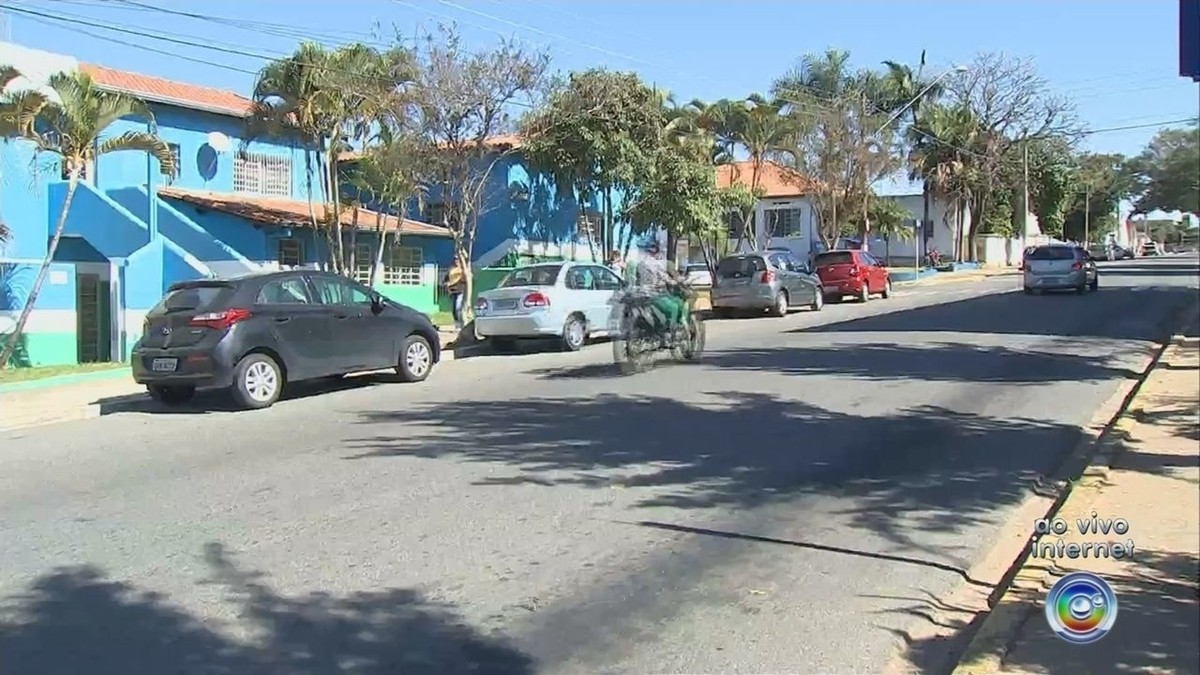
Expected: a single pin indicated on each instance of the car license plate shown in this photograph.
(164, 365)
(1049, 280)
(507, 303)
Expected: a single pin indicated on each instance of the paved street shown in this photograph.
(794, 494)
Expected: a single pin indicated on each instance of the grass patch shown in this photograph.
(27, 373)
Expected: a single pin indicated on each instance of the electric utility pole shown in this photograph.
(1087, 212)
(1025, 199)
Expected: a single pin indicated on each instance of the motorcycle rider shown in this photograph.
(653, 276)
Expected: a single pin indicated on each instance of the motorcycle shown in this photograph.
(642, 331)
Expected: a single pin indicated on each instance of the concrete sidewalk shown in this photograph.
(1150, 478)
(960, 276)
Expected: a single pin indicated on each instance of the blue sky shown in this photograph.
(1117, 59)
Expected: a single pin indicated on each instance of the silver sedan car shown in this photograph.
(1059, 267)
(774, 281)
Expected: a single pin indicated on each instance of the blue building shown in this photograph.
(233, 206)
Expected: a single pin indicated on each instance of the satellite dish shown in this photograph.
(219, 142)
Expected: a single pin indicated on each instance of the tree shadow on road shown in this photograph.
(1094, 315)
(921, 470)
(929, 362)
(1156, 629)
(75, 620)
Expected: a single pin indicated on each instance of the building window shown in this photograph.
(364, 259)
(260, 174)
(785, 223)
(402, 266)
(733, 223)
(435, 214)
(291, 253)
(177, 155)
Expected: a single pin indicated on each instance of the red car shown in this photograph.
(852, 272)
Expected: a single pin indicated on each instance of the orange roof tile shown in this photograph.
(159, 90)
(774, 180)
(275, 211)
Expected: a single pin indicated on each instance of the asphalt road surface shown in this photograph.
(775, 508)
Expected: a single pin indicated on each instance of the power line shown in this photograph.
(49, 19)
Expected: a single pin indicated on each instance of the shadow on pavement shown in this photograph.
(74, 620)
(1093, 315)
(1155, 632)
(211, 401)
(922, 470)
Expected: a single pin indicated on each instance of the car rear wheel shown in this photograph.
(1095, 285)
(1081, 288)
(865, 294)
(818, 300)
(574, 334)
(780, 307)
(416, 359)
(887, 289)
(171, 394)
(1028, 291)
(257, 381)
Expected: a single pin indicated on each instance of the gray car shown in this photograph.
(774, 281)
(1059, 267)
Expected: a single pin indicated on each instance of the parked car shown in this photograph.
(256, 334)
(571, 301)
(853, 272)
(697, 274)
(1059, 267)
(1150, 248)
(775, 281)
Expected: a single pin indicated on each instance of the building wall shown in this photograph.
(50, 334)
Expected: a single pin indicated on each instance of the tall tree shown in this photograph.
(598, 133)
(841, 141)
(460, 102)
(1167, 169)
(1100, 182)
(942, 157)
(9, 126)
(331, 98)
(1012, 105)
(1052, 176)
(71, 124)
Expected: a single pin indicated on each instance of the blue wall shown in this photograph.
(23, 198)
(201, 168)
(107, 225)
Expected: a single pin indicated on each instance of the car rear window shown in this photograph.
(835, 258)
(741, 266)
(192, 298)
(1052, 253)
(539, 275)
(697, 267)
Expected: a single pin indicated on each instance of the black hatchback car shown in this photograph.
(254, 334)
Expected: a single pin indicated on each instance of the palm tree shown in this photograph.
(8, 125)
(71, 124)
(903, 86)
(941, 157)
(329, 98)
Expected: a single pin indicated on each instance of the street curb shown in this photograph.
(61, 380)
(954, 278)
(1016, 597)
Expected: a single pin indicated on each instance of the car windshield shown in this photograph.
(740, 266)
(1052, 253)
(538, 275)
(191, 298)
(835, 258)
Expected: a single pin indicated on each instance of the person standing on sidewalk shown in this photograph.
(455, 283)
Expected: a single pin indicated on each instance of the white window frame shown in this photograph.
(795, 219)
(363, 263)
(262, 174)
(281, 254)
(402, 265)
(176, 151)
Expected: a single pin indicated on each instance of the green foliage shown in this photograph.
(1167, 172)
(1051, 182)
(1100, 183)
(888, 219)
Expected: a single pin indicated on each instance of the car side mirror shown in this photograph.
(377, 303)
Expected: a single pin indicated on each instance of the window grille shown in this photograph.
(261, 174)
(403, 266)
(291, 253)
(364, 258)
